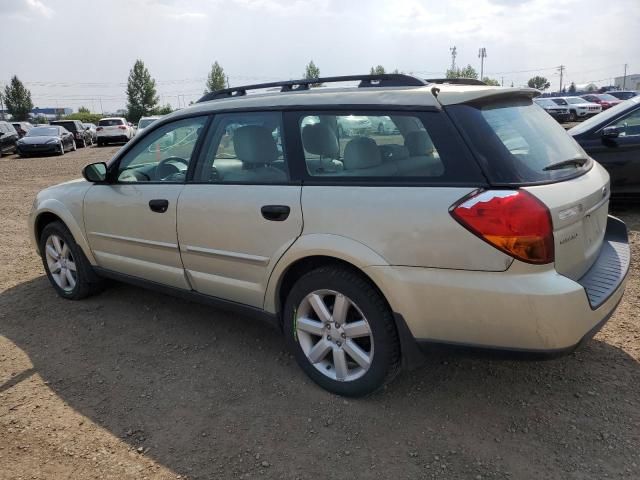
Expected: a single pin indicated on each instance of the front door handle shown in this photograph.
(159, 205)
(275, 213)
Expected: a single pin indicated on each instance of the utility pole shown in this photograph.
(482, 54)
(101, 109)
(454, 53)
(561, 70)
(228, 81)
(1, 107)
(624, 78)
(502, 81)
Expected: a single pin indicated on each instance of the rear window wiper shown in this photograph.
(577, 162)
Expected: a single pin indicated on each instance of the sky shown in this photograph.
(71, 53)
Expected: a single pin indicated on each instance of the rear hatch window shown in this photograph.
(71, 126)
(110, 123)
(518, 143)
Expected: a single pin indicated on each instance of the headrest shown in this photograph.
(419, 143)
(393, 153)
(254, 144)
(319, 139)
(361, 152)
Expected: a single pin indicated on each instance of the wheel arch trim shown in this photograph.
(58, 209)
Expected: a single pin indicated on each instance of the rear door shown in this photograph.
(242, 211)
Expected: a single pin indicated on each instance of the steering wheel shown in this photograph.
(164, 169)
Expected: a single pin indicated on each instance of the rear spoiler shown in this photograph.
(468, 94)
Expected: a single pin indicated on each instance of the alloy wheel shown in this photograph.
(61, 263)
(334, 335)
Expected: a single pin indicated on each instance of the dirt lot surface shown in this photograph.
(131, 384)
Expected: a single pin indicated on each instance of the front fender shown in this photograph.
(73, 222)
(327, 245)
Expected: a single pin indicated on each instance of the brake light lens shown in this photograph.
(98, 129)
(122, 127)
(513, 221)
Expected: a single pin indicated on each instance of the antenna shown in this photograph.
(454, 53)
(482, 54)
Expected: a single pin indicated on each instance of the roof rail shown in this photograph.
(456, 81)
(384, 80)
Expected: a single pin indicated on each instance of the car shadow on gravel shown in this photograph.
(208, 393)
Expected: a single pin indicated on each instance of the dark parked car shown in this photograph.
(47, 139)
(559, 112)
(81, 134)
(8, 138)
(22, 128)
(603, 99)
(613, 139)
(623, 94)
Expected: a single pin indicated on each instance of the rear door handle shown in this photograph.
(159, 205)
(275, 213)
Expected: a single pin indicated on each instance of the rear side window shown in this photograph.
(518, 143)
(113, 122)
(382, 147)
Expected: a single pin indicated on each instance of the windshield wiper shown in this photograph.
(576, 162)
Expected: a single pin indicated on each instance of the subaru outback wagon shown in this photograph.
(474, 221)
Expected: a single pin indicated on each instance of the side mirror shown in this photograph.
(95, 172)
(612, 132)
(1, 134)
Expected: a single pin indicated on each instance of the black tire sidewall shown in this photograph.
(374, 308)
(83, 267)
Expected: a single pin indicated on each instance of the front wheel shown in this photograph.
(61, 152)
(573, 116)
(65, 264)
(341, 331)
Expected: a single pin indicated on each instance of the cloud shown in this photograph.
(27, 10)
(187, 16)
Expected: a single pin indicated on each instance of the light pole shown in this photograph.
(482, 54)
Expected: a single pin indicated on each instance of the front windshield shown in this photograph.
(603, 118)
(575, 100)
(43, 132)
(544, 102)
(559, 101)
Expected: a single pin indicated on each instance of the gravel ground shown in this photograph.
(131, 384)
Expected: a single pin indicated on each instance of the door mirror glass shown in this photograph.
(95, 172)
(611, 132)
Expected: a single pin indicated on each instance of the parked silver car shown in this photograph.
(478, 223)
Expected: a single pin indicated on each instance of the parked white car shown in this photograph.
(114, 129)
(578, 107)
(144, 122)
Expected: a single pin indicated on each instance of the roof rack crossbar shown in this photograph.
(384, 80)
(456, 81)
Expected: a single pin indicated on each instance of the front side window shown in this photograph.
(629, 125)
(245, 148)
(164, 155)
(376, 145)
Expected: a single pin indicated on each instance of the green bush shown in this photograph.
(84, 117)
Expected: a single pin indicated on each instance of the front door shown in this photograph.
(621, 155)
(131, 223)
(241, 213)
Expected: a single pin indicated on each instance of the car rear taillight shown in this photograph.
(513, 221)
(122, 127)
(98, 129)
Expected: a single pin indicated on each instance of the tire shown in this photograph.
(573, 117)
(74, 146)
(367, 310)
(61, 149)
(86, 282)
(83, 143)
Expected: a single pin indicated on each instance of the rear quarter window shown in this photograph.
(516, 142)
(110, 122)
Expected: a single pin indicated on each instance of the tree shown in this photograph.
(311, 72)
(17, 100)
(84, 116)
(379, 70)
(83, 109)
(491, 81)
(216, 80)
(466, 72)
(541, 83)
(164, 110)
(141, 92)
(572, 88)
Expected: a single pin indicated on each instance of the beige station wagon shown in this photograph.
(470, 219)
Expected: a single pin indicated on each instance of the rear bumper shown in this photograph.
(113, 138)
(528, 309)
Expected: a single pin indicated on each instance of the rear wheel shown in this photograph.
(65, 264)
(341, 331)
